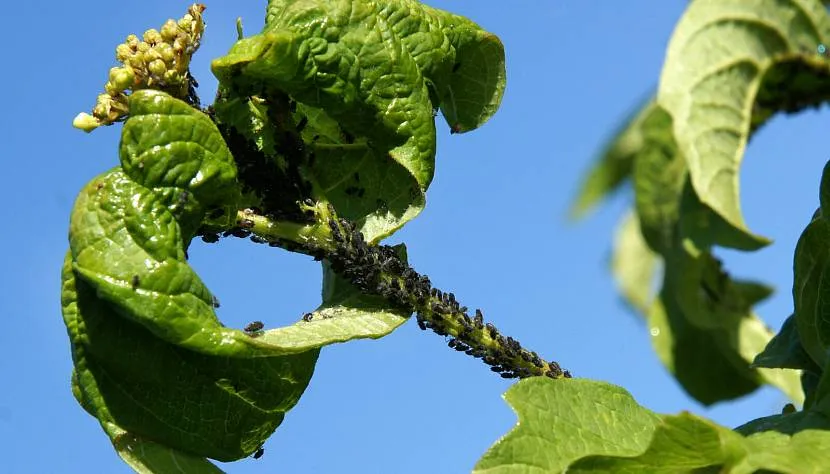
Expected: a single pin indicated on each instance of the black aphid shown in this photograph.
(479, 319)
(259, 452)
(307, 317)
(508, 375)
(135, 282)
(241, 233)
(210, 238)
(254, 326)
(308, 202)
(215, 301)
(301, 124)
(258, 240)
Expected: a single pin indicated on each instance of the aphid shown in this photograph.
(99, 186)
(566, 374)
(491, 330)
(452, 343)
(308, 202)
(301, 124)
(216, 213)
(215, 301)
(241, 233)
(210, 238)
(135, 282)
(258, 240)
(421, 323)
(508, 375)
(497, 368)
(479, 319)
(254, 327)
(307, 317)
(259, 452)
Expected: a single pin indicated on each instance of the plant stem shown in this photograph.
(377, 270)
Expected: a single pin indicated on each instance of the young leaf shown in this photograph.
(718, 96)
(379, 74)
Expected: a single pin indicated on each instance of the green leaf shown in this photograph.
(789, 424)
(582, 426)
(705, 362)
(667, 205)
(708, 342)
(688, 443)
(379, 74)
(344, 315)
(239, 401)
(614, 165)
(785, 351)
(810, 287)
(634, 265)
(147, 457)
(563, 420)
(718, 96)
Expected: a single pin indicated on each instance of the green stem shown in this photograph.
(377, 270)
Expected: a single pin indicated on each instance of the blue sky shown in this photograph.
(494, 232)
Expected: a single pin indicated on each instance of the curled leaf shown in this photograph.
(718, 96)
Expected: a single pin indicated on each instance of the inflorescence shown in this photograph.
(161, 61)
(378, 270)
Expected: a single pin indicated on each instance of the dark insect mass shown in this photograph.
(254, 326)
(259, 452)
(135, 282)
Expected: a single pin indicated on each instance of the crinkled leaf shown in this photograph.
(634, 265)
(614, 165)
(563, 420)
(211, 406)
(785, 351)
(379, 72)
(719, 95)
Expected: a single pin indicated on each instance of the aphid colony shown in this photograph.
(378, 270)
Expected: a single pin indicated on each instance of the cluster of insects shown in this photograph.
(378, 270)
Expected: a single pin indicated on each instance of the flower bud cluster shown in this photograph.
(159, 60)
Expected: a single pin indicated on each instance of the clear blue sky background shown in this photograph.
(494, 232)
